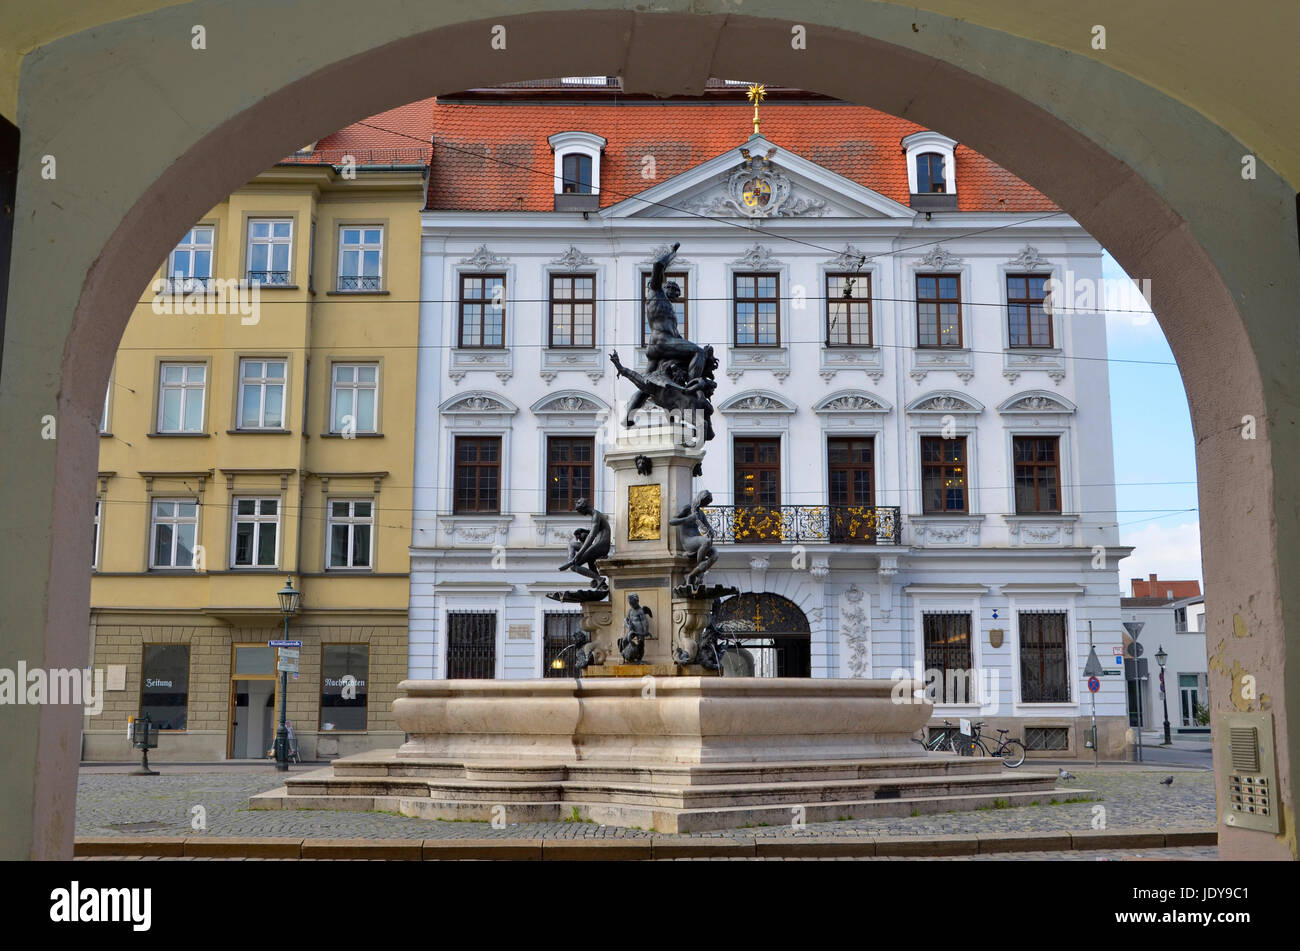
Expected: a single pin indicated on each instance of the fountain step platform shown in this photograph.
(662, 797)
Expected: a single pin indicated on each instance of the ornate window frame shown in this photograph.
(1062, 598)
(758, 258)
(568, 413)
(1049, 360)
(855, 357)
(588, 360)
(1040, 413)
(474, 413)
(960, 360)
(463, 360)
(848, 413)
(925, 416)
(940, 598)
(758, 414)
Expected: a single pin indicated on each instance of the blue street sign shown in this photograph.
(1094, 684)
(284, 643)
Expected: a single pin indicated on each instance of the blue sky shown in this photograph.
(1152, 431)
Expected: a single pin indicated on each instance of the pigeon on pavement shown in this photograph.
(1167, 781)
(1064, 776)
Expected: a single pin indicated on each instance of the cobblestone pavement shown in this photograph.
(112, 803)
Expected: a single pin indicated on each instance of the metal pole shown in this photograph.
(1141, 698)
(282, 733)
(1093, 696)
(1164, 701)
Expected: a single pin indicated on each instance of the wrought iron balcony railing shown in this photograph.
(835, 524)
(358, 282)
(269, 277)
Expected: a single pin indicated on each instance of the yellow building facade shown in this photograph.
(258, 426)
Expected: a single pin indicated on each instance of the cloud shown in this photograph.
(1171, 551)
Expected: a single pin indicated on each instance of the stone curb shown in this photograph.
(618, 850)
(166, 846)
(392, 849)
(514, 850)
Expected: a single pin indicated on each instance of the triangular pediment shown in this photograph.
(758, 180)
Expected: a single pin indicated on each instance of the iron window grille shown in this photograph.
(471, 645)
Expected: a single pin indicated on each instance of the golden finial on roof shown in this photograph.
(757, 93)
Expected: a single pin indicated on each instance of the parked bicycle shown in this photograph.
(945, 739)
(1011, 752)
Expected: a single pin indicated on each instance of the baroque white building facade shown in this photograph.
(877, 526)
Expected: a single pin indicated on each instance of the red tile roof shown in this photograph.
(1159, 588)
(494, 156)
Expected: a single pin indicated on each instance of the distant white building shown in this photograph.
(1173, 621)
(913, 473)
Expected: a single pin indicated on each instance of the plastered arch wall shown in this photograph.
(148, 134)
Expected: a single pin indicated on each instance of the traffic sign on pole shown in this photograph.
(1094, 684)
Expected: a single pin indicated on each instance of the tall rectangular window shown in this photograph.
(361, 258)
(1028, 322)
(568, 471)
(757, 302)
(756, 464)
(560, 629)
(478, 474)
(938, 310)
(482, 310)
(929, 173)
(948, 652)
(1038, 474)
(851, 469)
(848, 319)
(255, 533)
(173, 532)
(1044, 657)
(1191, 698)
(94, 552)
(261, 394)
(471, 645)
(573, 310)
(351, 528)
(165, 685)
(943, 475)
(680, 306)
(181, 389)
(270, 241)
(576, 172)
(851, 478)
(354, 398)
(191, 259)
(344, 670)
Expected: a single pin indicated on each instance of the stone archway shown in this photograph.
(1129, 163)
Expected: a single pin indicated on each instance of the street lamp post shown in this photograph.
(289, 601)
(1161, 657)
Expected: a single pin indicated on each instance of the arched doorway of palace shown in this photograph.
(770, 632)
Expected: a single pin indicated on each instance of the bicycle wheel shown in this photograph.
(1013, 753)
(977, 748)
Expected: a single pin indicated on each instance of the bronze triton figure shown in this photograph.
(589, 548)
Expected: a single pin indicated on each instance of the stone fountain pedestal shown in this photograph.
(653, 470)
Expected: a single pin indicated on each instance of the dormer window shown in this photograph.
(577, 174)
(931, 171)
(577, 170)
(929, 174)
